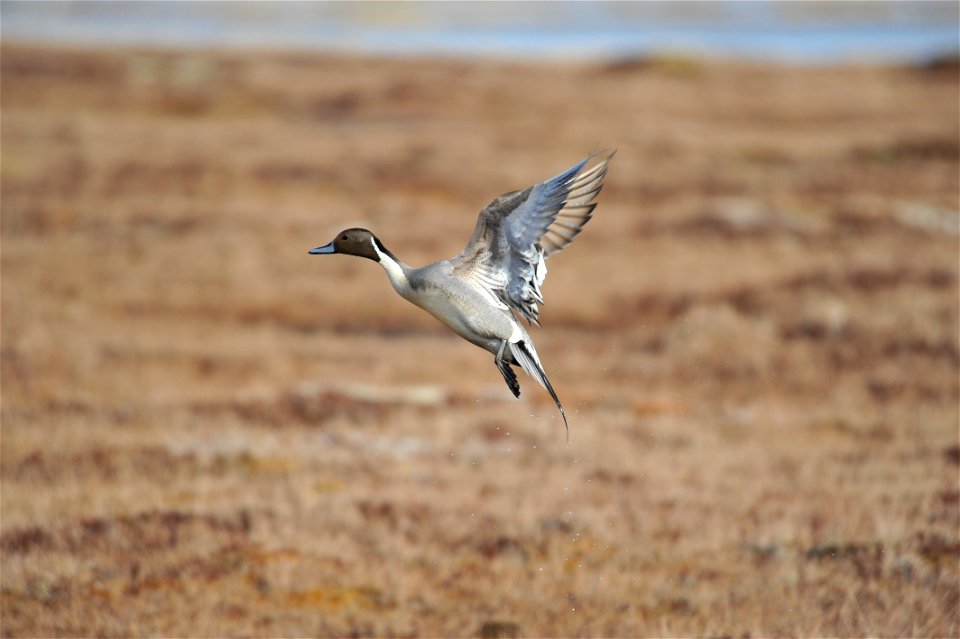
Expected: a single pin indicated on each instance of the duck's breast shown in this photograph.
(475, 315)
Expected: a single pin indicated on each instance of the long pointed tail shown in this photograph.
(526, 355)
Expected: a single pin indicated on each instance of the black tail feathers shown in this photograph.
(529, 361)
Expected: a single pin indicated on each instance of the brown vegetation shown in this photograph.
(205, 431)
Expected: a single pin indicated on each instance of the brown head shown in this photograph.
(359, 242)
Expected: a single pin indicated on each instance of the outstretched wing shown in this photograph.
(517, 231)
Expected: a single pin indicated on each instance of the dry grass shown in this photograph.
(756, 339)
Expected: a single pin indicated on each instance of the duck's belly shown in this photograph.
(471, 317)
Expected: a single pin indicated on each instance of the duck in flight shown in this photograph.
(498, 275)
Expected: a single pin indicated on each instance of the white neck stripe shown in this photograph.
(393, 268)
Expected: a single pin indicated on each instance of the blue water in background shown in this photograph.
(799, 32)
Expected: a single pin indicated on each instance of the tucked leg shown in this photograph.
(509, 376)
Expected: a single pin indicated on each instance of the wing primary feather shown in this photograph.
(517, 231)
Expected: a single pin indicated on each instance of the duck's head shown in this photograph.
(360, 242)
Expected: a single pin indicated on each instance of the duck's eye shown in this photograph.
(343, 237)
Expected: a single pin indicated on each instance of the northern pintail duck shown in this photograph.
(498, 275)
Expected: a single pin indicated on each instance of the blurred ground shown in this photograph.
(205, 431)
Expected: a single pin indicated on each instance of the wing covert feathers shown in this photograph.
(517, 231)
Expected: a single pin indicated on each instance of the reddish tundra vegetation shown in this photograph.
(205, 431)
